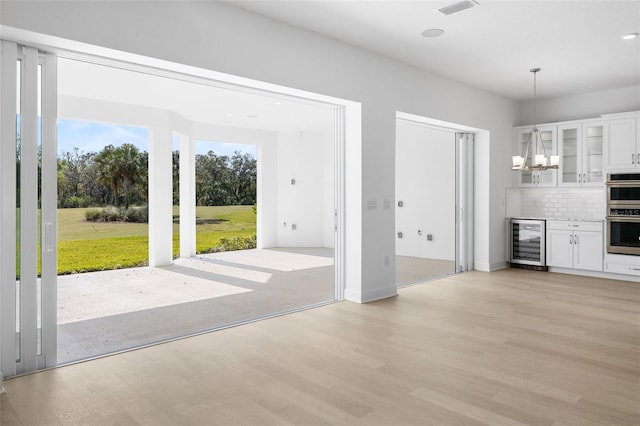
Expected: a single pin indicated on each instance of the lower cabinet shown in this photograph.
(576, 245)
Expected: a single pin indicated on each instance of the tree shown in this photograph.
(119, 168)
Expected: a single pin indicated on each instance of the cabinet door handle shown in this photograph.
(579, 178)
(575, 239)
(633, 159)
(570, 239)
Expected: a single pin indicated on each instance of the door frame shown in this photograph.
(464, 185)
(348, 139)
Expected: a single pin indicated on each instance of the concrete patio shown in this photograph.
(111, 311)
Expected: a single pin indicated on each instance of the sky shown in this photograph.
(89, 136)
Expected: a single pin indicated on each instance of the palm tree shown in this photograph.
(119, 168)
(108, 173)
(128, 168)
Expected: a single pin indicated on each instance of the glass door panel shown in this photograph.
(592, 158)
(569, 155)
(425, 202)
(28, 185)
(527, 242)
(526, 178)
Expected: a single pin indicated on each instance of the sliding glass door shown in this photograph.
(28, 209)
(434, 178)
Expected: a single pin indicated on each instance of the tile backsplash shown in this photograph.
(556, 203)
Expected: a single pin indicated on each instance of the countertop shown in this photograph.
(558, 219)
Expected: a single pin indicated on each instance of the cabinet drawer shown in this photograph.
(622, 268)
(574, 226)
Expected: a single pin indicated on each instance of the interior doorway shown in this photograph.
(433, 201)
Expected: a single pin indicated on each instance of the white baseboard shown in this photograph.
(489, 267)
(595, 274)
(370, 296)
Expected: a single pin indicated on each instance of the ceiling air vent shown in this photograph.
(457, 7)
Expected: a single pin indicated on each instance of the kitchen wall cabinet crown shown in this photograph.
(622, 144)
(543, 178)
(580, 147)
(575, 245)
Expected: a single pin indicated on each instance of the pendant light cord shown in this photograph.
(535, 99)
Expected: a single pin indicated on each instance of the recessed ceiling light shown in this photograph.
(278, 103)
(458, 7)
(630, 36)
(432, 33)
(229, 115)
(304, 125)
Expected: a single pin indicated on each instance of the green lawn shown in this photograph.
(88, 246)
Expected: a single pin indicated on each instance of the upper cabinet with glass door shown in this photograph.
(542, 178)
(580, 146)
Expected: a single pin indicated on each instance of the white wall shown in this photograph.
(221, 37)
(425, 183)
(301, 157)
(584, 105)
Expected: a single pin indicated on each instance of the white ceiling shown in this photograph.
(197, 103)
(491, 46)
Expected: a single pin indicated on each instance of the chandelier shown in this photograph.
(538, 153)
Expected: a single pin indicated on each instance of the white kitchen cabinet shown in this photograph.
(543, 178)
(622, 145)
(580, 147)
(575, 245)
(622, 264)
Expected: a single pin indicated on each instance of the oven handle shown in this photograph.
(622, 183)
(623, 219)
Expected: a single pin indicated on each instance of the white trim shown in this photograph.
(8, 76)
(594, 274)
(339, 202)
(49, 212)
(124, 60)
(628, 114)
(370, 296)
(490, 267)
(435, 123)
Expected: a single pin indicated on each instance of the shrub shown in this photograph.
(94, 215)
(108, 214)
(74, 202)
(137, 214)
(235, 243)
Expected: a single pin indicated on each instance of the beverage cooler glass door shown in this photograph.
(528, 242)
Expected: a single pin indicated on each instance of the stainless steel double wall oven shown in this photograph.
(623, 213)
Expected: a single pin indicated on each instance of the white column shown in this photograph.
(160, 196)
(187, 196)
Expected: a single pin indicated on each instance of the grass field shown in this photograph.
(88, 246)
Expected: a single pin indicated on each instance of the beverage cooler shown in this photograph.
(527, 237)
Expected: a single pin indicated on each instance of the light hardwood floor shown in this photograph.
(505, 348)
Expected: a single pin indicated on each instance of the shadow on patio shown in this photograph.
(105, 312)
